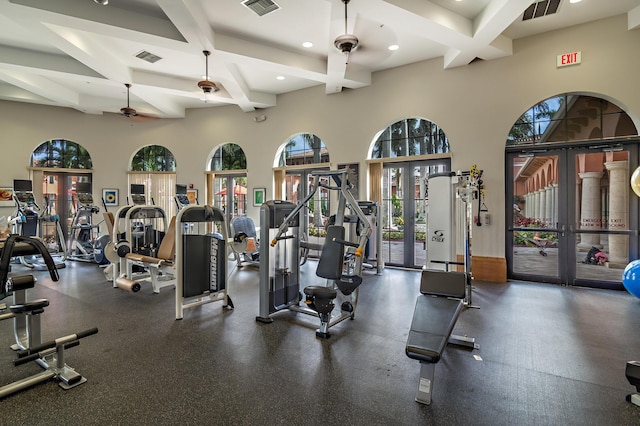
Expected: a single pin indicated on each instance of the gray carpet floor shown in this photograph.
(549, 355)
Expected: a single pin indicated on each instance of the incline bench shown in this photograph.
(434, 318)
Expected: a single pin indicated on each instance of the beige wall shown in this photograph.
(475, 106)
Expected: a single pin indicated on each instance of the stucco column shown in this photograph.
(618, 211)
(554, 210)
(536, 205)
(543, 205)
(590, 217)
(548, 206)
(527, 205)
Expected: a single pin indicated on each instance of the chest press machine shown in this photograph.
(340, 262)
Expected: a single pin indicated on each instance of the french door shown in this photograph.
(572, 218)
(230, 194)
(404, 210)
(298, 184)
(58, 190)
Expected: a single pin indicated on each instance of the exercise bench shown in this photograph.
(434, 318)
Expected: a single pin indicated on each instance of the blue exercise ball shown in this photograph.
(631, 278)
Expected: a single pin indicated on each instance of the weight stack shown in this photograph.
(204, 265)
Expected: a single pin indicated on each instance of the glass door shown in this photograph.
(404, 210)
(58, 190)
(298, 184)
(572, 214)
(230, 195)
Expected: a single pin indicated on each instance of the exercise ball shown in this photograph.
(635, 181)
(631, 278)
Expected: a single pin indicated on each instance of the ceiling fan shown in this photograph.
(346, 42)
(132, 113)
(128, 111)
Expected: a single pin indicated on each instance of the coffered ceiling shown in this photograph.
(79, 54)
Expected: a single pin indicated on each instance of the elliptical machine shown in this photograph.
(84, 243)
(30, 221)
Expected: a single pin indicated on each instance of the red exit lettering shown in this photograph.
(569, 59)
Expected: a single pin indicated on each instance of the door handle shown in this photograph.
(562, 230)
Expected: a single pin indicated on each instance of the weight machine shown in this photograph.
(137, 229)
(202, 249)
(340, 262)
(449, 221)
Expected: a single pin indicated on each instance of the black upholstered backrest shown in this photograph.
(441, 283)
(332, 255)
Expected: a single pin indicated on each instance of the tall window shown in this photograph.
(154, 166)
(58, 165)
(297, 158)
(227, 182)
(403, 155)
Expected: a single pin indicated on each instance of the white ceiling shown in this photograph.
(79, 54)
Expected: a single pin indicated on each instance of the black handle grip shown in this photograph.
(35, 356)
(53, 343)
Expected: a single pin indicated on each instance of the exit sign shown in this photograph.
(567, 59)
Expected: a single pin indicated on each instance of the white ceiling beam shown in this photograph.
(466, 39)
(87, 16)
(633, 18)
(42, 87)
(190, 20)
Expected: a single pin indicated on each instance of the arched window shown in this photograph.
(57, 166)
(303, 148)
(297, 157)
(154, 166)
(229, 156)
(153, 158)
(60, 153)
(570, 117)
(409, 137)
(568, 163)
(402, 157)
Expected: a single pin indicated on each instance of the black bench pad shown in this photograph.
(433, 322)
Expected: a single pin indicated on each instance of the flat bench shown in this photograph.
(435, 315)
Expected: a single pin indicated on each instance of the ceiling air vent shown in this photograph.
(261, 7)
(540, 9)
(148, 56)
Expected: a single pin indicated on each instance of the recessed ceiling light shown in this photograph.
(280, 77)
(575, 1)
(393, 47)
(102, 2)
(307, 44)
